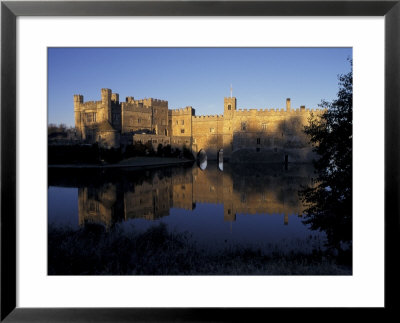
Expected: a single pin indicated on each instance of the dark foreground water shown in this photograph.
(231, 219)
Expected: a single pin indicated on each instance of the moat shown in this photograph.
(214, 207)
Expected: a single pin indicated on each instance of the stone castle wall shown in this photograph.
(264, 135)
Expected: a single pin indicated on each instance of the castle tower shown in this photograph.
(229, 107)
(227, 135)
(288, 104)
(115, 98)
(78, 100)
(106, 103)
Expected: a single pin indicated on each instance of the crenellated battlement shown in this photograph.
(115, 97)
(181, 111)
(150, 101)
(78, 98)
(269, 111)
(135, 104)
(159, 101)
(88, 105)
(129, 99)
(208, 117)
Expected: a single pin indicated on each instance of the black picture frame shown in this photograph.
(10, 10)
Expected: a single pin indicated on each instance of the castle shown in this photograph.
(271, 135)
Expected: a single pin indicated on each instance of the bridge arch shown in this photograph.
(220, 155)
(202, 159)
(202, 155)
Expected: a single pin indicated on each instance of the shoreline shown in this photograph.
(179, 162)
(135, 162)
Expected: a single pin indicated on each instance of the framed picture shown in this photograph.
(102, 169)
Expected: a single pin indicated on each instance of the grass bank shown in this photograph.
(94, 251)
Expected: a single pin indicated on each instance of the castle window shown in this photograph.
(258, 141)
(264, 126)
(176, 122)
(183, 122)
(138, 120)
(212, 130)
(92, 207)
(244, 126)
(90, 117)
(229, 107)
(182, 130)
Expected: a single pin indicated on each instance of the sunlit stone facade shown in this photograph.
(267, 135)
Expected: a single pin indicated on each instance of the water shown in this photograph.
(216, 205)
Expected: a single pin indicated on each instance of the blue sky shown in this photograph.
(198, 77)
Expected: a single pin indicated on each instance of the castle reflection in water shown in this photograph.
(242, 190)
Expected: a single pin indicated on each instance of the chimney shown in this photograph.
(288, 104)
